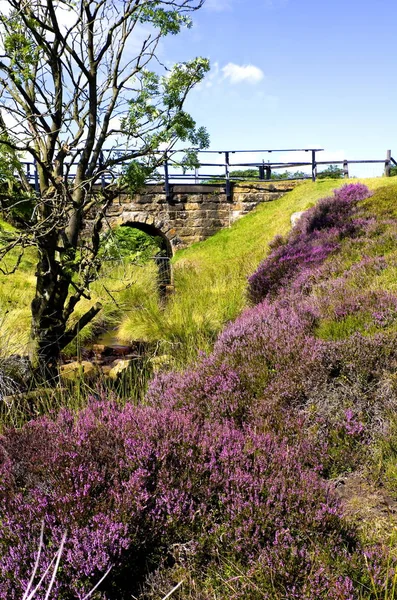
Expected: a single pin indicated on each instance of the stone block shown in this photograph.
(116, 222)
(180, 198)
(218, 214)
(209, 231)
(115, 211)
(160, 199)
(212, 205)
(214, 223)
(197, 199)
(197, 215)
(177, 206)
(184, 232)
(146, 199)
(188, 241)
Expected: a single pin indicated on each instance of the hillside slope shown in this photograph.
(210, 283)
(211, 277)
(228, 477)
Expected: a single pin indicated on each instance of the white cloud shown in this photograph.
(242, 73)
(5, 8)
(213, 76)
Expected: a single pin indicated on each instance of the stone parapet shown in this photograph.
(192, 213)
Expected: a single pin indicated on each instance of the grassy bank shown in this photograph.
(267, 468)
(211, 277)
(210, 284)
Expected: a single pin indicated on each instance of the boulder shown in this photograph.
(75, 369)
(295, 217)
(120, 368)
(16, 369)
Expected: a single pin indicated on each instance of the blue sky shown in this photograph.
(296, 74)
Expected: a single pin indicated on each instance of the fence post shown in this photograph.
(345, 169)
(227, 177)
(261, 172)
(268, 173)
(388, 163)
(314, 166)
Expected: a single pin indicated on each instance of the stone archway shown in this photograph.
(162, 259)
(153, 231)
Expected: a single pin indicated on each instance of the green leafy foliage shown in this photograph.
(332, 172)
(131, 244)
(253, 174)
(16, 204)
(393, 171)
(156, 116)
(168, 21)
(21, 48)
(137, 173)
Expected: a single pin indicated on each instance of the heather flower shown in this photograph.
(316, 236)
(127, 483)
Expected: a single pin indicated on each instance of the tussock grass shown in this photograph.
(211, 276)
(210, 280)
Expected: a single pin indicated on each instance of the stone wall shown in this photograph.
(194, 212)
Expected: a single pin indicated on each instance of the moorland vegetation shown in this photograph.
(265, 466)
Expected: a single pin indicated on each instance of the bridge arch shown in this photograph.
(153, 231)
(163, 259)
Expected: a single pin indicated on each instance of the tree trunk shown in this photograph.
(53, 304)
(48, 323)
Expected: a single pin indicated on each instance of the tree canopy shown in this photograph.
(331, 172)
(85, 97)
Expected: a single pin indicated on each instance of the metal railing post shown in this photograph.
(314, 166)
(268, 173)
(227, 177)
(261, 172)
(167, 187)
(388, 163)
(345, 169)
(101, 163)
(36, 177)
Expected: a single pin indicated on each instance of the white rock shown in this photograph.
(295, 217)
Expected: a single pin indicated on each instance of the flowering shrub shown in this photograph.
(127, 483)
(226, 461)
(317, 234)
(267, 357)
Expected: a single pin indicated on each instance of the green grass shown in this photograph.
(366, 264)
(211, 276)
(210, 281)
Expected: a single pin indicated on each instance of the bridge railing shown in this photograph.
(225, 171)
(261, 170)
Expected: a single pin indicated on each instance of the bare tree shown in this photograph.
(78, 100)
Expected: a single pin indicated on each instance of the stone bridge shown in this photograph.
(191, 213)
